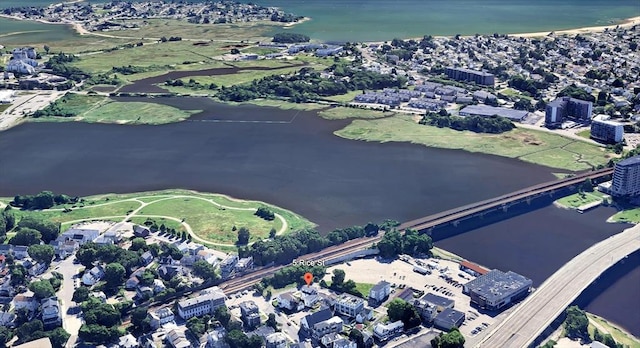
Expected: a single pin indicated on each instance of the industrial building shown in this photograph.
(626, 178)
(559, 109)
(497, 289)
(479, 77)
(448, 319)
(439, 302)
(488, 111)
(607, 131)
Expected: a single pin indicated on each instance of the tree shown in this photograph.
(197, 325)
(205, 270)
(400, 309)
(46, 49)
(222, 315)
(356, 336)
(49, 231)
(58, 337)
(271, 321)
(42, 289)
(80, 294)
(114, 274)
(30, 330)
(243, 236)
(137, 244)
(290, 37)
(97, 334)
(452, 339)
(576, 323)
(5, 336)
(26, 237)
(338, 278)
(140, 320)
(41, 253)
(272, 233)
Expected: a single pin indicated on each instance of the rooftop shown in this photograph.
(631, 161)
(497, 284)
(437, 300)
(486, 110)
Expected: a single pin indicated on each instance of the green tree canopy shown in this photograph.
(400, 309)
(47, 229)
(243, 236)
(576, 323)
(452, 339)
(41, 253)
(42, 289)
(114, 274)
(80, 294)
(26, 237)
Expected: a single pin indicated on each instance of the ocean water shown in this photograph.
(372, 20)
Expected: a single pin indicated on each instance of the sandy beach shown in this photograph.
(305, 19)
(627, 23)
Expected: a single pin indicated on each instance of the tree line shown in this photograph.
(307, 84)
(477, 124)
(42, 200)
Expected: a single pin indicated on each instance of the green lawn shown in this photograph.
(260, 50)
(619, 335)
(344, 98)
(528, 145)
(339, 113)
(585, 134)
(83, 211)
(364, 288)
(99, 109)
(627, 215)
(577, 200)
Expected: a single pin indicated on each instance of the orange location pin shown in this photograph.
(308, 277)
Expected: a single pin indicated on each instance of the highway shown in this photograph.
(531, 317)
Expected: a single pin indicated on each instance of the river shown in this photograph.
(291, 159)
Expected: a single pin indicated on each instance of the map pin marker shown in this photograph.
(308, 277)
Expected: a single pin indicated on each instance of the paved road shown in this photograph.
(535, 314)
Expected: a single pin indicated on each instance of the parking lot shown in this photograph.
(445, 280)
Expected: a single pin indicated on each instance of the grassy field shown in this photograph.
(364, 288)
(620, 336)
(577, 200)
(98, 109)
(627, 215)
(515, 93)
(339, 113)
(198, 210)
(281, 104)
(585, 134)
(528, 145)
(89, 210)
(344, 98)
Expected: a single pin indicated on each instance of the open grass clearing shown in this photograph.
(344, 98)
(528, 145)
(4, 107)
(243, 76)
(281, 104)
(136, 113)
(577, 200)
(585, 134)
(81, 211)
(620, 336)
(340, 112)
(631, 215)
(150, 55)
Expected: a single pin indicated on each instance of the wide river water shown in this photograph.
(292, 159)
(378, 20)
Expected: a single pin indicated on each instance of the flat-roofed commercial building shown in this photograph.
(488, 111)
(497, 289)
(626, 178)
(462, 74)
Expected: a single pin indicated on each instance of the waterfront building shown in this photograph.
(462, 74)
(206, 303)
(626, 178)
(559, 109)
(497, 289)
(607, 131)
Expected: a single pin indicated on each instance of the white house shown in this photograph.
(161, 317)
(93, 276)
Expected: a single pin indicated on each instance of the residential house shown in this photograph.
(288, 302)
(7, 319)
(384, 332)
(276, 340)
(244, 264)
(51, 315)
(348, 305)
(141, 231)
(307, 323)
(158, 286)
(329, 339)
(131, 283)
(26, 300)
(93, 276)
(39, 343)
(161, 317)
(379, 292)
(333, 324)
(441, 303)
(344, 343)
(167, 272)
(20, 251)
(109, 237)
(250, 314)
(216, 338)
(228, 265)
(127, 341)
(205, 303)
(177, 339)
(146, 258)
(99, 295)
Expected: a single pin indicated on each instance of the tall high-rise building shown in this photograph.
(626, 178)
(563, 107)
